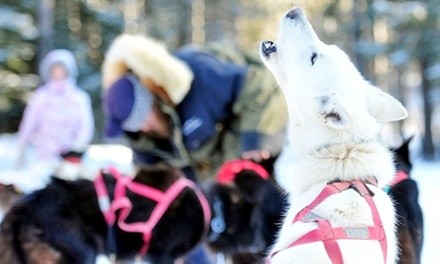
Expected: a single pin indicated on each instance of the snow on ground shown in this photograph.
(427, 174)
(36, 175)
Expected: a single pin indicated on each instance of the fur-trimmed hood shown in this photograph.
(147, 58)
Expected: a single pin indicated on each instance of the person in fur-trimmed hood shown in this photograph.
(194, 108)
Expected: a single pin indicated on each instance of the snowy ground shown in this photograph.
(34, 175)
(427, 174)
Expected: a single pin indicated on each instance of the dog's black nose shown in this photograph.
(268, 47)
(294, 13)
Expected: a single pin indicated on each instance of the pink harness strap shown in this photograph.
(122, 203)
(400, 176)
(328, 234)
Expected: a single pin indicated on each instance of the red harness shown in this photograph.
(229, 170)
(72, 159)
(328, 234)
(122, 203)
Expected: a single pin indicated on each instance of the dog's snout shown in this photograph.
(294, 13)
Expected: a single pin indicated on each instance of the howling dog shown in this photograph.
(333, 166)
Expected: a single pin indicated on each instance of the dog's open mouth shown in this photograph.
(268, 47)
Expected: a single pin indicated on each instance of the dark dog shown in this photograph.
(405, 194)
(247, 207)
(63, 223)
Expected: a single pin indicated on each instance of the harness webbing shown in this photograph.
(398, 177)
(328, 234)
(121, 202)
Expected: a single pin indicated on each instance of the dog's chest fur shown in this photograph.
(343, 161)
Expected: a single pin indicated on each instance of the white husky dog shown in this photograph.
(333, 166)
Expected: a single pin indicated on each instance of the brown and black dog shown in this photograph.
(405, 194)
(64, 222)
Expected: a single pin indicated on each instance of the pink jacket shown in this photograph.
(58, 118)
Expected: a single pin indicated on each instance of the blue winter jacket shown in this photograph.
(209, 102)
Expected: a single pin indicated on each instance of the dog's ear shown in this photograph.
(330, 110)
(383, 106)
(403, 152)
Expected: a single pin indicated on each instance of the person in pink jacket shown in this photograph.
(58, 118)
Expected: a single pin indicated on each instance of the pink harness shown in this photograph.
(122, 203)
(328, 234)
(400, 176)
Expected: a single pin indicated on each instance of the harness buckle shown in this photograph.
(357, 232)
(311, 217)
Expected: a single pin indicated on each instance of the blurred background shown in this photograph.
(395, 45)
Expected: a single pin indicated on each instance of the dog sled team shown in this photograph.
(273, 159)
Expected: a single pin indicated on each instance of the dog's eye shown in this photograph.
(313, 58)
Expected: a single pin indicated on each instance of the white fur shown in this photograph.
(147, 58)
(334, 116)
(96, 158)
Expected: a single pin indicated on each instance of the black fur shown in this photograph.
(62, 223)
(252, 209)
(409, 213)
